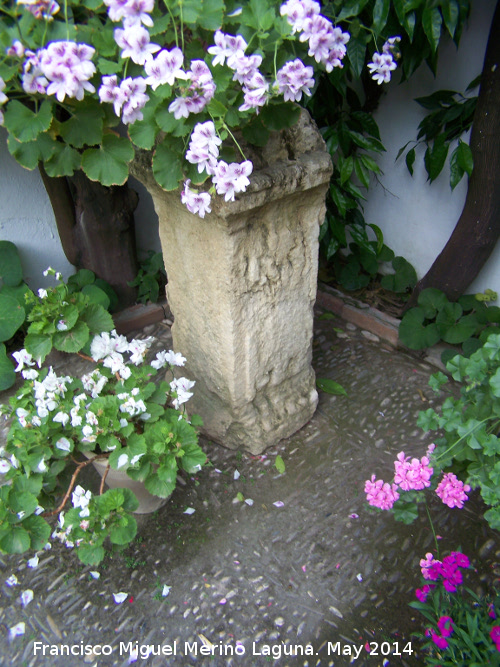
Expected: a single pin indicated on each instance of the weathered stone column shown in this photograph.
(242, 285)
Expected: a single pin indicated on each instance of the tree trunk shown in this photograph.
(478, 227)
(96, 228)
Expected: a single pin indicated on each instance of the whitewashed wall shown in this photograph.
(417, 218)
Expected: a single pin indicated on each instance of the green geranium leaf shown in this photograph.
(11, 271)
(125, 531)
(7, 373)
(278, 116)
(414, 333)
(38, 345)
(108, 164)
(97, 296)
(405, 512)
(84, 128)
(158, 487)
(24, 124)
(167, 167)
(16, 541)
(193, 459)
(12, 316)
(64, 162)
(39, 531)
(97, 319)
(72, 340)
(90, 554)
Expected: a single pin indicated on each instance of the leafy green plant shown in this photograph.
(66, 316)
(451, 115)
(470, 424)
(115, 414)
(150, 279)
(467, 322)
(13, 306)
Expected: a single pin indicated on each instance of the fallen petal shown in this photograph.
(359, 577)
(190, 510)
(279, 503)
(236, 475)
(17, 630)
(33, 562)
(353, 516)
(303, 568)
(120, 597)
(249, 501)
(94, 574)
(223, 601)
(166, 590)
(26, 597)
(12, 580)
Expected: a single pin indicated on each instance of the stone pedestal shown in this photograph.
(241, 287)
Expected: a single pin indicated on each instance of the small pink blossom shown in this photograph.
(495, 636)
(439, 641)
(429, 566)
(452, 491)
(422, 593)
(412, 474)
(195, 202)
(380, 494)
(445, 626)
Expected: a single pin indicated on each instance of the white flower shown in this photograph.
(23, 357)
(4, 466)
(166, 590)
(62, 326)
(163, 358)
(20, 515)
(16, 630)
(12, 580)
(39, 509)
(80, 497)
(42, 293)
(181, 387)
(94, 574)
(42, 467)
(123, 422)
(120, 597)
(26, 597)
(29, 374)
(135, 459)
(61, 417)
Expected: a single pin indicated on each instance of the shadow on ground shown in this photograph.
(300, 563)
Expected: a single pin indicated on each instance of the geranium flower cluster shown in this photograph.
(41, 9)
(448, 570)
(414, 475)
(61, 69)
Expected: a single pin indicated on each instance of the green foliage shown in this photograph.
(467, 322)
(115, 414)
(470, 424)
(344, 112)
(330, 387)
(13, 307)
(66, 316)
(150, 279)
(450, 116)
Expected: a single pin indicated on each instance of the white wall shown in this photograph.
(416, 217)
(27, 219)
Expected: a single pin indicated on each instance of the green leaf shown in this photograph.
(72, 340)
(206, 13)
(90, 554)
(16, 541)
(24, 124)
(96, 296)
(346, 169)
(380, 14)
(432, 300)
(330, 387)
(125, 531)
(39, 531)
(410, 160)
(278, 116)
(279, 464)
(193, 459)
(7, 373)
(11, 271)
(414, 334)
(405, 512)
(356, 50)
(456, 171)
(431, 23)
(12, 316)
(255, 133)
(108, 164)
(143, 132)
(84, 128)
(464, 157)
(435, 157)
(452, 326)
(167, 167)
(28, 154)
(97, 319)
(64, 162)
(158, 487)
(451, 13)
(38, 345)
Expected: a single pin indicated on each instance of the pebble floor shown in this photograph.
(301, 566)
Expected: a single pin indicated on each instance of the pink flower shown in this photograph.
(430, 567)
(380, 494)
(439, 641)
(495, 636)
(492, 612)
(452, 491)
(195, 202)
(293, 79)
(165, 68)
(134, 41)
(381, 67)
(422, 593)
(445, 626)
(230, 179)
(412, 474)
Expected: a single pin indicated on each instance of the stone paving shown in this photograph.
(283, 569)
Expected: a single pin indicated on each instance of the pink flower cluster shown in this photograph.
(452, 491)
(41, 9)
(293, 79)
(131, 12)
(61, 69)
(327, 44)
(445, 627)
(409, 475)
(128, 98)
(383, 63)
(448, 570)
(198, 94)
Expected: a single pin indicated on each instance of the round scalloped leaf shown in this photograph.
(167, 167)
(125, 531)
(12, 316)
(39, 531)
(72, 340)
(108, 164)
(16, 541)
(432, 300)
(90, 554)
(11, 271)
(452, 327)
(414, 333)
(24, 124)
(7, 373)
(96, 295)
(38, 345)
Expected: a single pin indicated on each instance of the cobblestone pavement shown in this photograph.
(304, 565)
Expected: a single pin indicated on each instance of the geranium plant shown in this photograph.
(180, 77)
(117, 414)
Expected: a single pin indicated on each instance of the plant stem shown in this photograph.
(432, 528)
